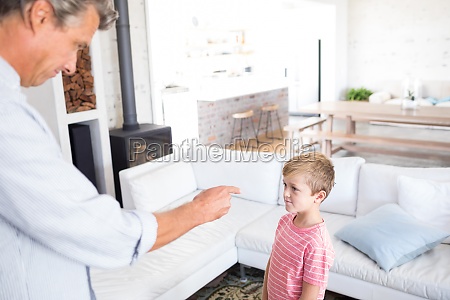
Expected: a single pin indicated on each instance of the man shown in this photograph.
(54, 225)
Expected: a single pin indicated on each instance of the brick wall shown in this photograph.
(215, 123)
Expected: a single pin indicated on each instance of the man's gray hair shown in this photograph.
(66, 10)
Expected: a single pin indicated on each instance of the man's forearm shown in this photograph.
(174, 223)
(207, 206)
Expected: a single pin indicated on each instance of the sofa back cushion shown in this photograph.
(426, 200)
(378, 183)
(256, 174)
(158, 188)
(129, 175)
(344, 195)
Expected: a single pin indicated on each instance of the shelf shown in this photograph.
(211, 52)
(83, 116)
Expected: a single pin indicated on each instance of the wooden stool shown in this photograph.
(242, 116)
(270, 109)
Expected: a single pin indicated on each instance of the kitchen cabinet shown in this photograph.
(217, 53)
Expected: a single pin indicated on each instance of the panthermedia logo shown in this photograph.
(190, 150)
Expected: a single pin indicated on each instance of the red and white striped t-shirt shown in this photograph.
(298, 254)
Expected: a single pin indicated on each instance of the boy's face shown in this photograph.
(297, 195)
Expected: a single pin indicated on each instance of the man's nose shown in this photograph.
(71, 66)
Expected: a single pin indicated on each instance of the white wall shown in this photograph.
(169, 21)
(341, 36)
(387, 40)
(393, 40)
(140, 68)
(275, 30)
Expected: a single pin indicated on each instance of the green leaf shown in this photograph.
(358, 94)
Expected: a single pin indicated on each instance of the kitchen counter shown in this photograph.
(217, 100)
(215, 89)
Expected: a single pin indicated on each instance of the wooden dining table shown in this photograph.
(352, 112)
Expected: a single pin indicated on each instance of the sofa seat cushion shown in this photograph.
(420, 277)
(259, 235)
(162, 269)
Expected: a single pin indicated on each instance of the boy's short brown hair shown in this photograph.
(315, 167)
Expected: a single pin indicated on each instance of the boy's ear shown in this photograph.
(320, 196)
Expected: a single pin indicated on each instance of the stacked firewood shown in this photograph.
(78, 88)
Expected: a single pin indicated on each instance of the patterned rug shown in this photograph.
(250, 291)
(228, 286)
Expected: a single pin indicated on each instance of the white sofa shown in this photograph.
(390, 92)
(246, 233)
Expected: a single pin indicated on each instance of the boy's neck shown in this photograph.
(308, 219)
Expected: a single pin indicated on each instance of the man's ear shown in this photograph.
(38, 14)
(320, 196)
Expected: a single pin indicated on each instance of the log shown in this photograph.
(79, 87)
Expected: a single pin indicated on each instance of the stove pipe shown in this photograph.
(126, 66)
(134, 143)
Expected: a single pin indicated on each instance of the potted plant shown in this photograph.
(408, 101)
(360, 94)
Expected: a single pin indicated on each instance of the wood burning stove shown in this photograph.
(130, 148)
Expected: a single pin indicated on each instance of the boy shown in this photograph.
(302, 253)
